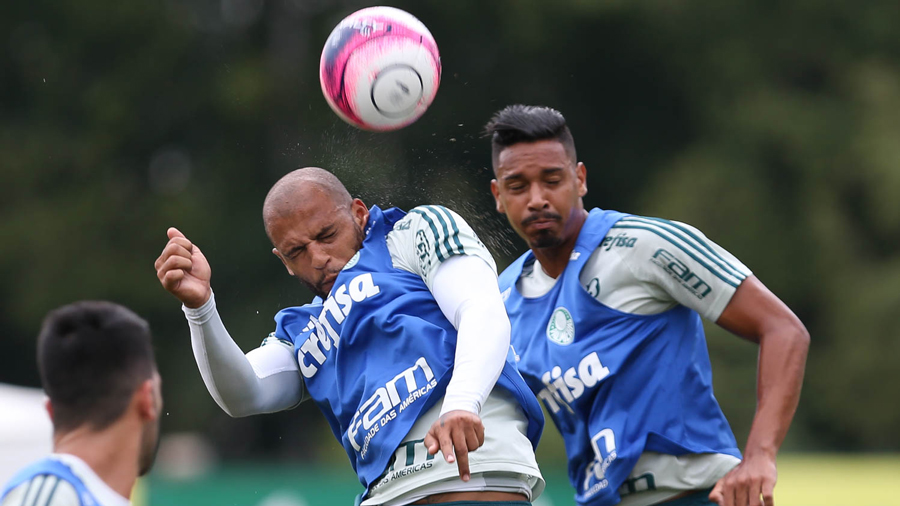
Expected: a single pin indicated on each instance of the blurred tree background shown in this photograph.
(774, 127)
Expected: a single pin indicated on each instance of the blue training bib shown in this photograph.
(378, 352)
(616, 384)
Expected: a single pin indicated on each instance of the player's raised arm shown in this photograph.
(265, 380)
(457, 268)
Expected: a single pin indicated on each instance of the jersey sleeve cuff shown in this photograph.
(202, 314)
(459, 403)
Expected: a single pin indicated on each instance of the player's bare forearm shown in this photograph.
(758, 315)
(782, 361)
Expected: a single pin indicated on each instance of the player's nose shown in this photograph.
(318, 256)
(537, 200)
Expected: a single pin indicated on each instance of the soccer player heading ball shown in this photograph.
(605, 311)
(405, 349)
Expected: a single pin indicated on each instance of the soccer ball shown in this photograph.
(380, 69)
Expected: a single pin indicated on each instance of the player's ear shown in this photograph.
(495, 190)
(280, 257)
(146, 401)
(49, 407)
(360, 213)
(581, 175)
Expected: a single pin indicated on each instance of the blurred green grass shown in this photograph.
(803, 480)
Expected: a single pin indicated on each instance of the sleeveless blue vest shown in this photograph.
(615, 384)
(378, 352)
(55, 468)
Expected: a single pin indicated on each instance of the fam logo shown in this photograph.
(561, 328)
(678, 270)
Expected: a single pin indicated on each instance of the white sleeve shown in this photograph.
(428, 236)
(466, 289)
(265, 380)
(674, 262)
(438, 245)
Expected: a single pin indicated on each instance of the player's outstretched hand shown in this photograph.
(183, 270)
(743, 485)
(455, 434)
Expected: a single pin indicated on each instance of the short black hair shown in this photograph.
(527, 123)
(92, 356)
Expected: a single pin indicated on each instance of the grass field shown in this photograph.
(803, 480)
(834, 479)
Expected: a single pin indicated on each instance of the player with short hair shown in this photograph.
(97, 368)
(401, 349)
(605, 311)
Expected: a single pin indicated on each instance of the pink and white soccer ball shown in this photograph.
(380, 69)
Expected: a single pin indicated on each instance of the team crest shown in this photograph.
(561, 328)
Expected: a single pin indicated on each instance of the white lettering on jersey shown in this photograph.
(564, 388)
(337, 306)
(385, 404)
(603, 457)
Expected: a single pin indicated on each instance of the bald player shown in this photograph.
(405, 348)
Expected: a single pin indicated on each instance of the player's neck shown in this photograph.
(554, 259)
(111, 453)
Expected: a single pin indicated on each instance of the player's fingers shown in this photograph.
(172, 278)
(446, 446)
(431, 443)
(768, 493)
(728, 494)
(173, 232)
(176, 248)
(716, 495)
(176, 262)
(742, 494)
(479, 433)
(462, 454)
(754, 492)
(183, 242)
(471, 438)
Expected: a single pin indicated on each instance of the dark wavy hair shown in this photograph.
(527, 123)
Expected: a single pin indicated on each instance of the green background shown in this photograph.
(771, 126)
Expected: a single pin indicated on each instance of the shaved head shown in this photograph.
(295, 188)
(314, 225)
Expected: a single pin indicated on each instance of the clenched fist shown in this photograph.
(183, 270)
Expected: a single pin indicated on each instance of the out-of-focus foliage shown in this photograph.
(771, 126)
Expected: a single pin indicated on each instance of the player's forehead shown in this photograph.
(305, 223)
(531, 158)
